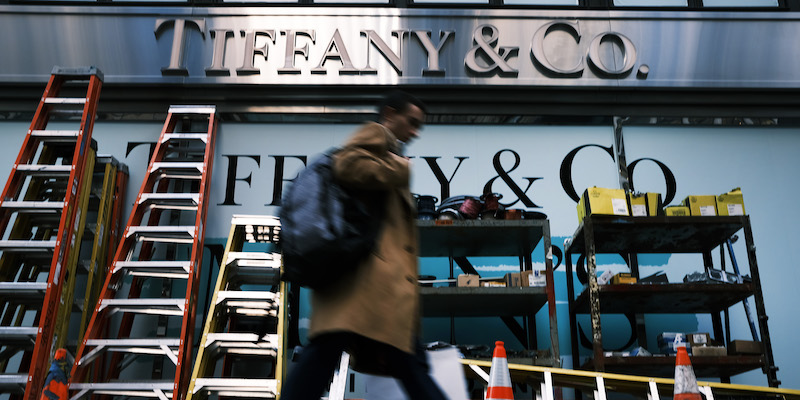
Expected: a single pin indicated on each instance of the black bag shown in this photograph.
(326, 230)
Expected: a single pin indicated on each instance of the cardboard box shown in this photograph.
(731, 203)
(500, 282)
(745, 347)
(676, 211)
(701, 205)
(713, 351)
(698, 339)
(467, 280)
(533, 278)
(513, 279)
(623, 278)
(668, 342)
(597, 200)
(645, 204)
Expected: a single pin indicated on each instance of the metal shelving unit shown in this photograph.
(629, 236)
(458, 240)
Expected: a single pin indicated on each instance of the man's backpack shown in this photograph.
(326, 230)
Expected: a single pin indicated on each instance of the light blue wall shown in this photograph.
(762, 161)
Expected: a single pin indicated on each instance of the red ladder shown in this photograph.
(155, 272)
(38, 221)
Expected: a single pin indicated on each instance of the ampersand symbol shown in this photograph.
(485, 49)
(503, 174)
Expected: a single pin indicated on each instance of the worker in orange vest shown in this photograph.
(56, 386)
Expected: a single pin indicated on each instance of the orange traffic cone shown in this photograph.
(685, 382)
(499, 376)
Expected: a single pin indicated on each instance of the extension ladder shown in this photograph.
(246, 320)
(600, 383)
(155, 272)
(108, 189)
(40, 214)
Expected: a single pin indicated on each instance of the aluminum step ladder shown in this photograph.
(243, 346)
(145, 314)
(39, 220)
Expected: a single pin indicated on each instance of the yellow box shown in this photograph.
(597, 200)
(701, 205)
(581, 212)
(638, 204)
(623, 278)
(676, 211)
(731, 203)
(644, 204)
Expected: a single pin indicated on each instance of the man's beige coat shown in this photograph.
(381, 300)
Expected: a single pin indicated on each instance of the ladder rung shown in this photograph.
(158, 346)
(169, 234)
(172, 201)
(256, 269)
(243, 344)
(250, 303)
(137, 389)
(145, 306)
(233, 387)
(171, 169)
(178, 269)
(65, 100)
(44, 170)
(34, 206)
(27, 245)
(231, 295)
(187, 109)
(264, 220)
(13, 383)
(23, 290)
(77, 73)
(184, 136)
(56, 136)
(18, 334)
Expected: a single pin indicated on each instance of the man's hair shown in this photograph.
(399, 101)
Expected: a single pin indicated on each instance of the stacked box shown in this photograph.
(698, 339)
(731, 203)
(712, 351)
(676, 211)
(513, 279)
(467, 280)
(745, 347)
(701, 205)
(668, 342)
(645, 204)
(623, 278)
(533, 278)
(597, 200)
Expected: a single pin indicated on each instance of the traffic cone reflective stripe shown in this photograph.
(499, 376)
(685, 382)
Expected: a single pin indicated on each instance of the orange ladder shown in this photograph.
(155, 273)
(39, 222)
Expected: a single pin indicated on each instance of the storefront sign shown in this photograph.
(484, 56)
(386, 46)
